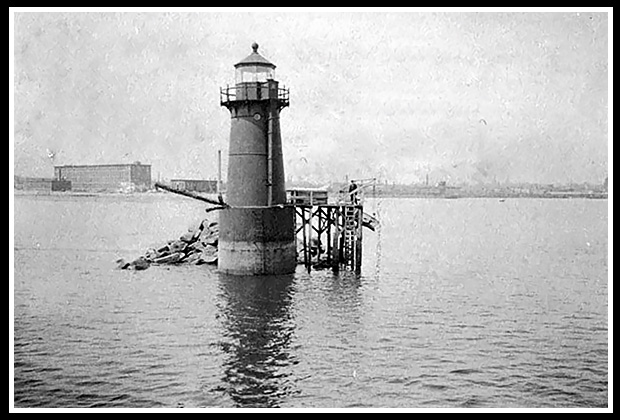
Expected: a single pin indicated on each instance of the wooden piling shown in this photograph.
(336, 241)
(358, 241)
(305, 242)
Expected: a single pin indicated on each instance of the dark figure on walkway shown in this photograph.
(353, 192)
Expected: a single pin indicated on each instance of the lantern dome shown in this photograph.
(254, 68)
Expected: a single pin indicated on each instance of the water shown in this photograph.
(461, 303)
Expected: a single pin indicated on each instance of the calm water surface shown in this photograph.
(461, 303)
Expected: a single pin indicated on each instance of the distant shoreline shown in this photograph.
(461, 194)
(596, 196)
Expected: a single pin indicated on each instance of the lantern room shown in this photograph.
(254, 81)
(254, 68)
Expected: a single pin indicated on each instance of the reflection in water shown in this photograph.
(343, 295)
(258, 329)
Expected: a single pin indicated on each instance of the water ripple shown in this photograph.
(463, 316)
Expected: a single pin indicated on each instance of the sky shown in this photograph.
(474, 97)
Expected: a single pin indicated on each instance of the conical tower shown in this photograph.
(257, 232)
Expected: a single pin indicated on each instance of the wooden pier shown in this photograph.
(331, 235)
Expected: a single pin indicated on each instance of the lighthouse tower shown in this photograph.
(257, 231)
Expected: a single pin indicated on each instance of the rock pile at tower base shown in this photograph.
(197, 246)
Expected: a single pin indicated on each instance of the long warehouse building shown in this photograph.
(114, 177)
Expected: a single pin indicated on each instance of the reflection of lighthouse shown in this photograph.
(258, 332)
(257, 233)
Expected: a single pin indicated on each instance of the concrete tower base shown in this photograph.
(257, 241)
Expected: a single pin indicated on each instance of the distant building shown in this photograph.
(61, 185)
(115, 177)
(43, 185)
(197, 185)
(307, 196)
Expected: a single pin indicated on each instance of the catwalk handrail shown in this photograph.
(229, 93)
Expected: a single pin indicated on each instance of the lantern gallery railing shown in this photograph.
(254, 92)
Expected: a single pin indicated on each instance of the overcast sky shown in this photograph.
(463, 97)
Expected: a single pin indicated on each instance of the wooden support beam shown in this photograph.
(358, 240)
(299, 212)
(319, 231)
(309, 243)
(329, 232)
(303, 231)
(339, 227)
(336, 240)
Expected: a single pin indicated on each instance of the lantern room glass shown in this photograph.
(254, 74)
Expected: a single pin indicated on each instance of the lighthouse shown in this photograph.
(257, 230)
